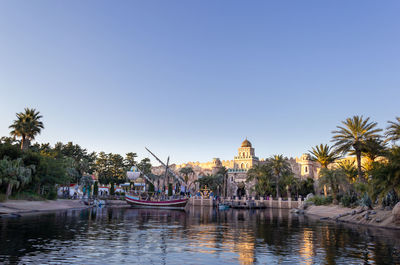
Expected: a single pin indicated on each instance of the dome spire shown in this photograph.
(246, 143)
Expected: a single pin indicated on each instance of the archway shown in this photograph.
(241, 191)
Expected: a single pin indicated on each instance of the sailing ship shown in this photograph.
(140, 199)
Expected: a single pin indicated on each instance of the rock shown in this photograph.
(309, 196)
(388, 208)
(324, 218)
(378, 220)
(396, 213)
(372, 212)
(353, 212)
(366, 216)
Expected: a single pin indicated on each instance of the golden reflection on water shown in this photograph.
(307, 247)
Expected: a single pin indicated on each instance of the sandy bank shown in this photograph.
(376, 218)
(26, 207)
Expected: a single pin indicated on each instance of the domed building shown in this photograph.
(245, 159)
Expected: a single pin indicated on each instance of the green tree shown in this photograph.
(213, 182)
(186, 171)
(223, 173)
(352, 136)
(332, 178)
(393, 130)
(373, 148)
(264, 179)
(279, 167)
(13, 173)
(385, 175)
(292, 184)
(27, 126)
(129, 160)
(323, 154)
(349, 169)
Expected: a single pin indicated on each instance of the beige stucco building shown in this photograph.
(237, 168)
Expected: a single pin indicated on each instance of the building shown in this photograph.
(303, 167)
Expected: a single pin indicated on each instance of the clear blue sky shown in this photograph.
(192, 79)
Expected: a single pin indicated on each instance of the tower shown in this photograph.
(246, 157)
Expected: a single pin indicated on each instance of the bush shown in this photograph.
(391, 199)
(349, 199)
(321, 200)
(2, 197)
(52, 195)
(26, 195)
(365, 201)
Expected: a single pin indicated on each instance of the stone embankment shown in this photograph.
(362, 215)
(14, 208)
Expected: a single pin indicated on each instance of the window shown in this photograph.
(306, 169)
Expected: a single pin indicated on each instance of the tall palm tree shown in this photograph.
(280, 167)
(323, 154)
(393, 130)
(27, 126)
(352, 136)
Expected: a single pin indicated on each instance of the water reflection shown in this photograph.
(199, 236)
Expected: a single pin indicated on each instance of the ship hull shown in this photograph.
(171, 204)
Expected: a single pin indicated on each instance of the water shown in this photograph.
(200, 236)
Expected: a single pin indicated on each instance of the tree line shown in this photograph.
(34, 170)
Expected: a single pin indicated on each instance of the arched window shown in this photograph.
(242, 165)
(247, 165)
(306, 169)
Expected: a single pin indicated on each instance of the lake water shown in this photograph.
(200, 236)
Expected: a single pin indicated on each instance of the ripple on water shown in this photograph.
(142, 236)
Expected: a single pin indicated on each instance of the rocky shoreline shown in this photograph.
(360, 215)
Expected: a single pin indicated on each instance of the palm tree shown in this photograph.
(323, 154)
(373, 148)
(349, 169)
(393, 130)
(280, 167)
(14, 174)
(262, 174)
(27, 126)
(186, 171)
(332, 178)
(223, 172)
(352, 136)
(291, 183)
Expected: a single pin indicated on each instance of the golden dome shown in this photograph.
(246, 143)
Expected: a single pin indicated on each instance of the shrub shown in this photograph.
(365, 201)
(390, 199)
(52, 195)
(349, 199)
(321, 200)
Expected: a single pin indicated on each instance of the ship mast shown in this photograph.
(167, 169)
